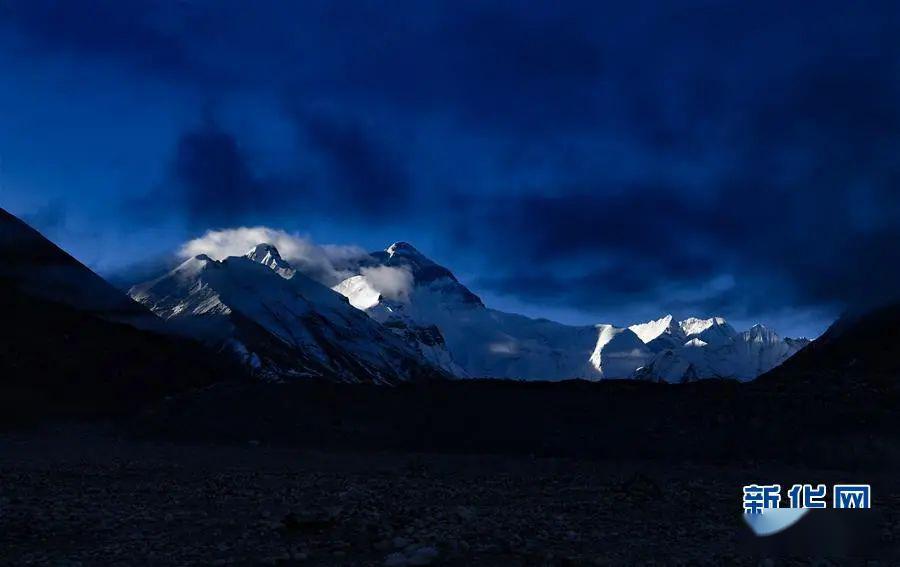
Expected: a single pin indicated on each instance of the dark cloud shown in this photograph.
(214, 180)
(362, 173)
(601, 249)
(800, 215)
(699, 156)
(211, 181)
(135, 32)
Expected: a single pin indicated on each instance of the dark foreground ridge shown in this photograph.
(709, 421)
(73, 345)
(56, 360)
(466, 473)
(453, 473)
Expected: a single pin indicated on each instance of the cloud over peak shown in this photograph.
(324, 263)
(391, 282)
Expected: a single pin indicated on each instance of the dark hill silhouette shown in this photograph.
(67, 340)
(857, 350)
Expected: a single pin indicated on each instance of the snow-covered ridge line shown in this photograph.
(397, 309)
(489, 343)
(281, 323)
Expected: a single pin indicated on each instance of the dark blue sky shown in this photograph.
(582, 161)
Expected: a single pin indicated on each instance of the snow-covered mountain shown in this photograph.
(401, 316)
(710, 348)
(282, 323)
(483, 342)
(618, 352)
(488, 343)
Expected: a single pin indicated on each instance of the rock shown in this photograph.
(423, 555)
(309, 521)
(400, 542)
(641, 487)
(396, 560)
(465, 513)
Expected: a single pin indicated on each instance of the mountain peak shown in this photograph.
(262, 250)
(761, 333)
(190, 267)
(653, 329)
(267, 255)
(403, 249)
(695, 326)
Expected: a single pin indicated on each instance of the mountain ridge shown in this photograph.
(495, 344)
(280, 322)
(75, 345)
(398, 316)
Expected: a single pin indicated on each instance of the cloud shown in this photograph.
(586, 155)
(775, 168)
(364, 176)
(134, 33)
(391, 282)
(214, 177)
(328, 264)
(216, 183)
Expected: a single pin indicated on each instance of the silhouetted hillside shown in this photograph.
(856, 350)
(68, 343)
(56, 359)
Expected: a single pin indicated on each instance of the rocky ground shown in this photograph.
(88, 495)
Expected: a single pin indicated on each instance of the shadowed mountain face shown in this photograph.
(31, 264)
(857, 349)
(66, 344)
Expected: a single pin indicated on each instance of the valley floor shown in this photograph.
(92, 495)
